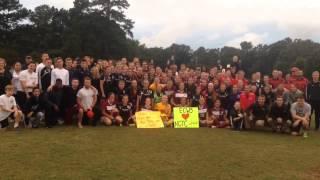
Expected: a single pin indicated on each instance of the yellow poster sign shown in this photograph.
(149, 119)
(186, 117)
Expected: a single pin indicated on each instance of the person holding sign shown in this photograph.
(219, 116)
(146, 107)
(165, 109)
(110, 113)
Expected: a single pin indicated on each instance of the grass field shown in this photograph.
(129, 153)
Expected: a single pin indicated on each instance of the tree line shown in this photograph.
(100, 28)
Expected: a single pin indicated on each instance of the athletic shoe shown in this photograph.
(16, 125)
(80, 126)
(305, 135)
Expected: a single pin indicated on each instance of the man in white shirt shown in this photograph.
(28, 79)
(87, 99)
(60, 73)
(8, 108)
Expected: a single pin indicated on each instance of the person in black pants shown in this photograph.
(54, 111)
(313, 97)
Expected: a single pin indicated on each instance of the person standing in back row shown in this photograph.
(60, 73)
(313, 97)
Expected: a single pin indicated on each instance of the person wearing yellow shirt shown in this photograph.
(165, 110)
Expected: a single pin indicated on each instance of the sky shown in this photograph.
(216, 23)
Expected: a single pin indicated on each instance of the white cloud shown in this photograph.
(57, 3)
(250, 37)
(161, 23)
(180, 19)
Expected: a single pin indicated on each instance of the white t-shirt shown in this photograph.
(62, 74)
(86, 97)
(7, 103)
(31, 79)
(16, 81)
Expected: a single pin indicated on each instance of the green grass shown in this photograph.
(129, 153)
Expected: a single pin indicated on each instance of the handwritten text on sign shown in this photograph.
(149, 119)
(186, 117)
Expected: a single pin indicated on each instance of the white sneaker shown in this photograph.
(60, 122)
(16, 125)
(80, 126)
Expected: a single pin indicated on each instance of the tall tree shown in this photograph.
(113, 10)
(11, 13)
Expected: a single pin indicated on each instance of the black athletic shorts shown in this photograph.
(5, 123)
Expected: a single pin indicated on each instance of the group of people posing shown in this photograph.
(91, 92)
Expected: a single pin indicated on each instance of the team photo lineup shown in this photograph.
(97, 92)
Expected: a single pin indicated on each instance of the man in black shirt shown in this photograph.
(54, 104)
(34, 108)
(45, 75)
(70, 105)
(259, 113)
(5, 76)
(313, 97)
(280, 115)
(82, 72)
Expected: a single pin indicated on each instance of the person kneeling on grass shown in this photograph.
(87, 99)
(300, 111)
(280, 115)
(110, 112)
(8, 108)
(218, 116)
(165, 111)
(125, 111)
(259, 113)
(34, 108)
(236, 116)
(203, 113)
